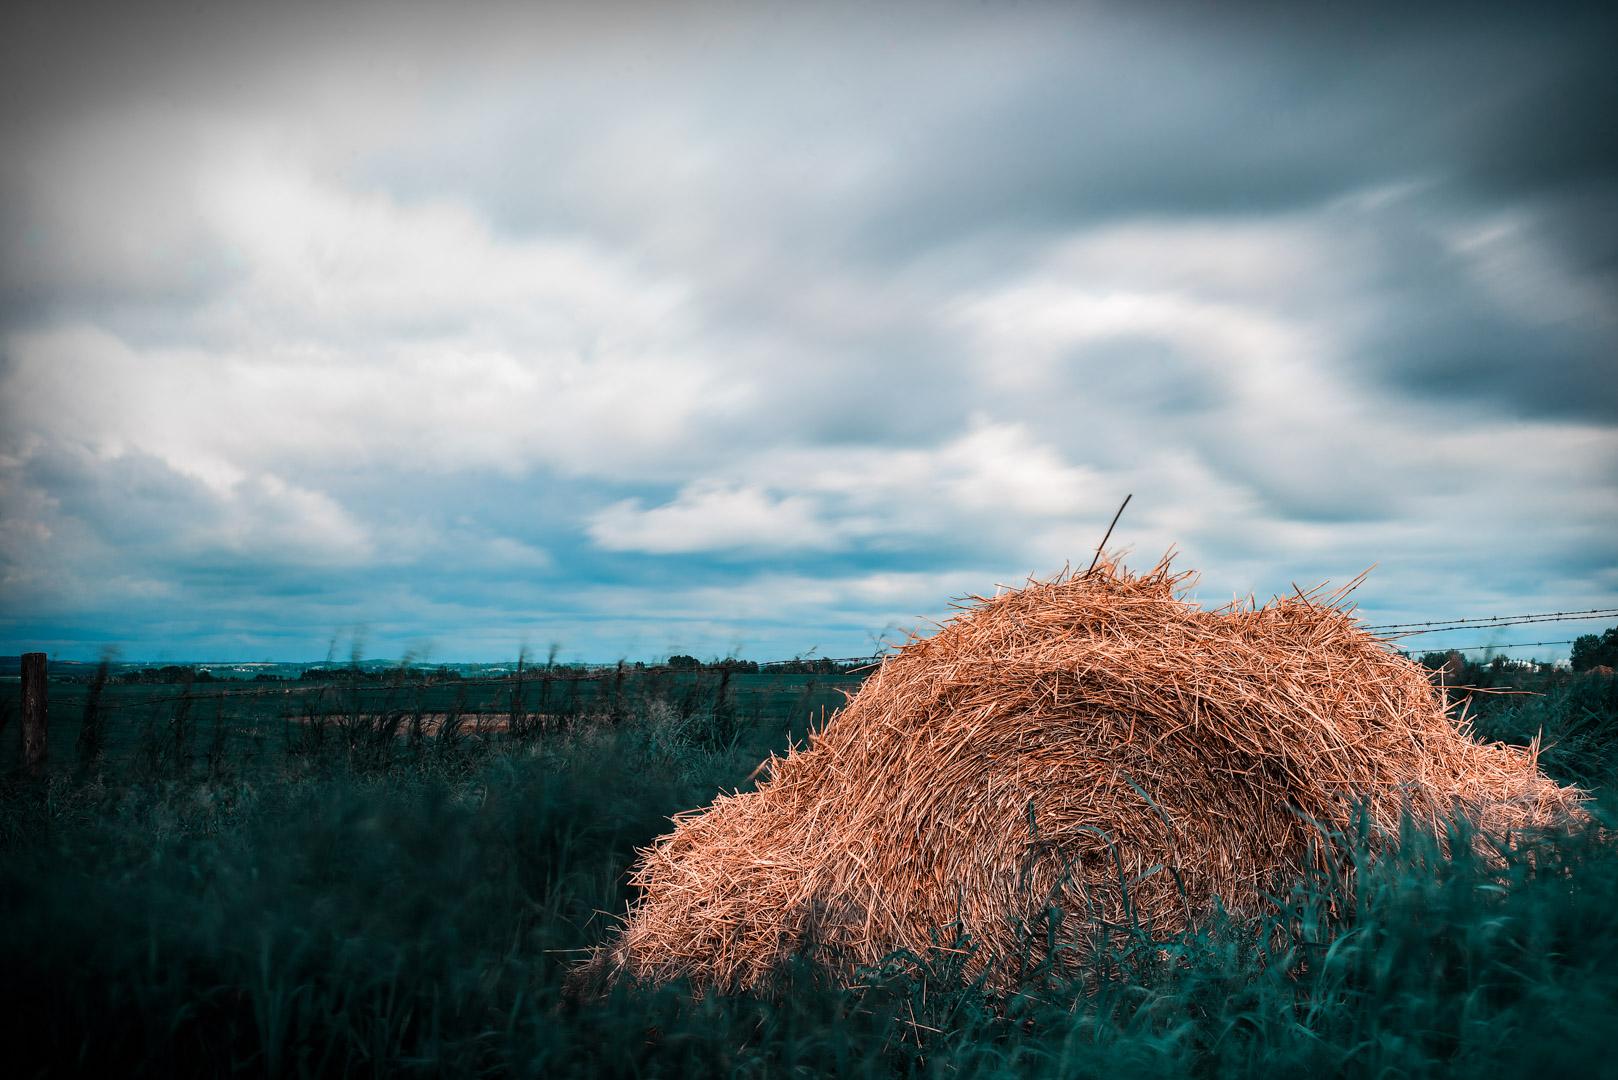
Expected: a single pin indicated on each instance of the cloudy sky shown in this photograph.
(766, 327)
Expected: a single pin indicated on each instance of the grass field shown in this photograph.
(304, 883)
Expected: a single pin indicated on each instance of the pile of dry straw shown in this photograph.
(1048, 744)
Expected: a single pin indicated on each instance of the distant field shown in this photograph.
(243, 720)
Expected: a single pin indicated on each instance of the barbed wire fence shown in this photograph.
(378, 715)
(363, 702)
(1433, 626)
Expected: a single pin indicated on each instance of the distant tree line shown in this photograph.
(817, 667)
(1593, 650)
(185, 673)
(681, 662)
(1457, 668)
(171, 673)
(800, 666)
(379, 675)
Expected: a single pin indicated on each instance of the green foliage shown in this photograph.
(1591, 650)
(374, 903)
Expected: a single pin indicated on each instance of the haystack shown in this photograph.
(1066, 744)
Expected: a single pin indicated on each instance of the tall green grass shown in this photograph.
(337, 911)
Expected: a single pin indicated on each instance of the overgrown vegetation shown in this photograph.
(1570, 717)
(397, 881)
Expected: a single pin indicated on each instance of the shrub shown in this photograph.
(1590, 651)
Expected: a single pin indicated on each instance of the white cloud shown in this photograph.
(714, 517)
(313, 250)
(989, 479)
(270, 518)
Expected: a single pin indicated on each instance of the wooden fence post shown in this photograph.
(33, 711)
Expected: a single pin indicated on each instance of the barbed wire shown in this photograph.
(1515, 645)
(201, 693)
(1437, 625)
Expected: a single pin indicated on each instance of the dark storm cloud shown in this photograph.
(133, 503)
(1493, 109)
(1520, 98)
(1075, 117)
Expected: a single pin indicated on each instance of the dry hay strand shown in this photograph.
(1093, 742)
